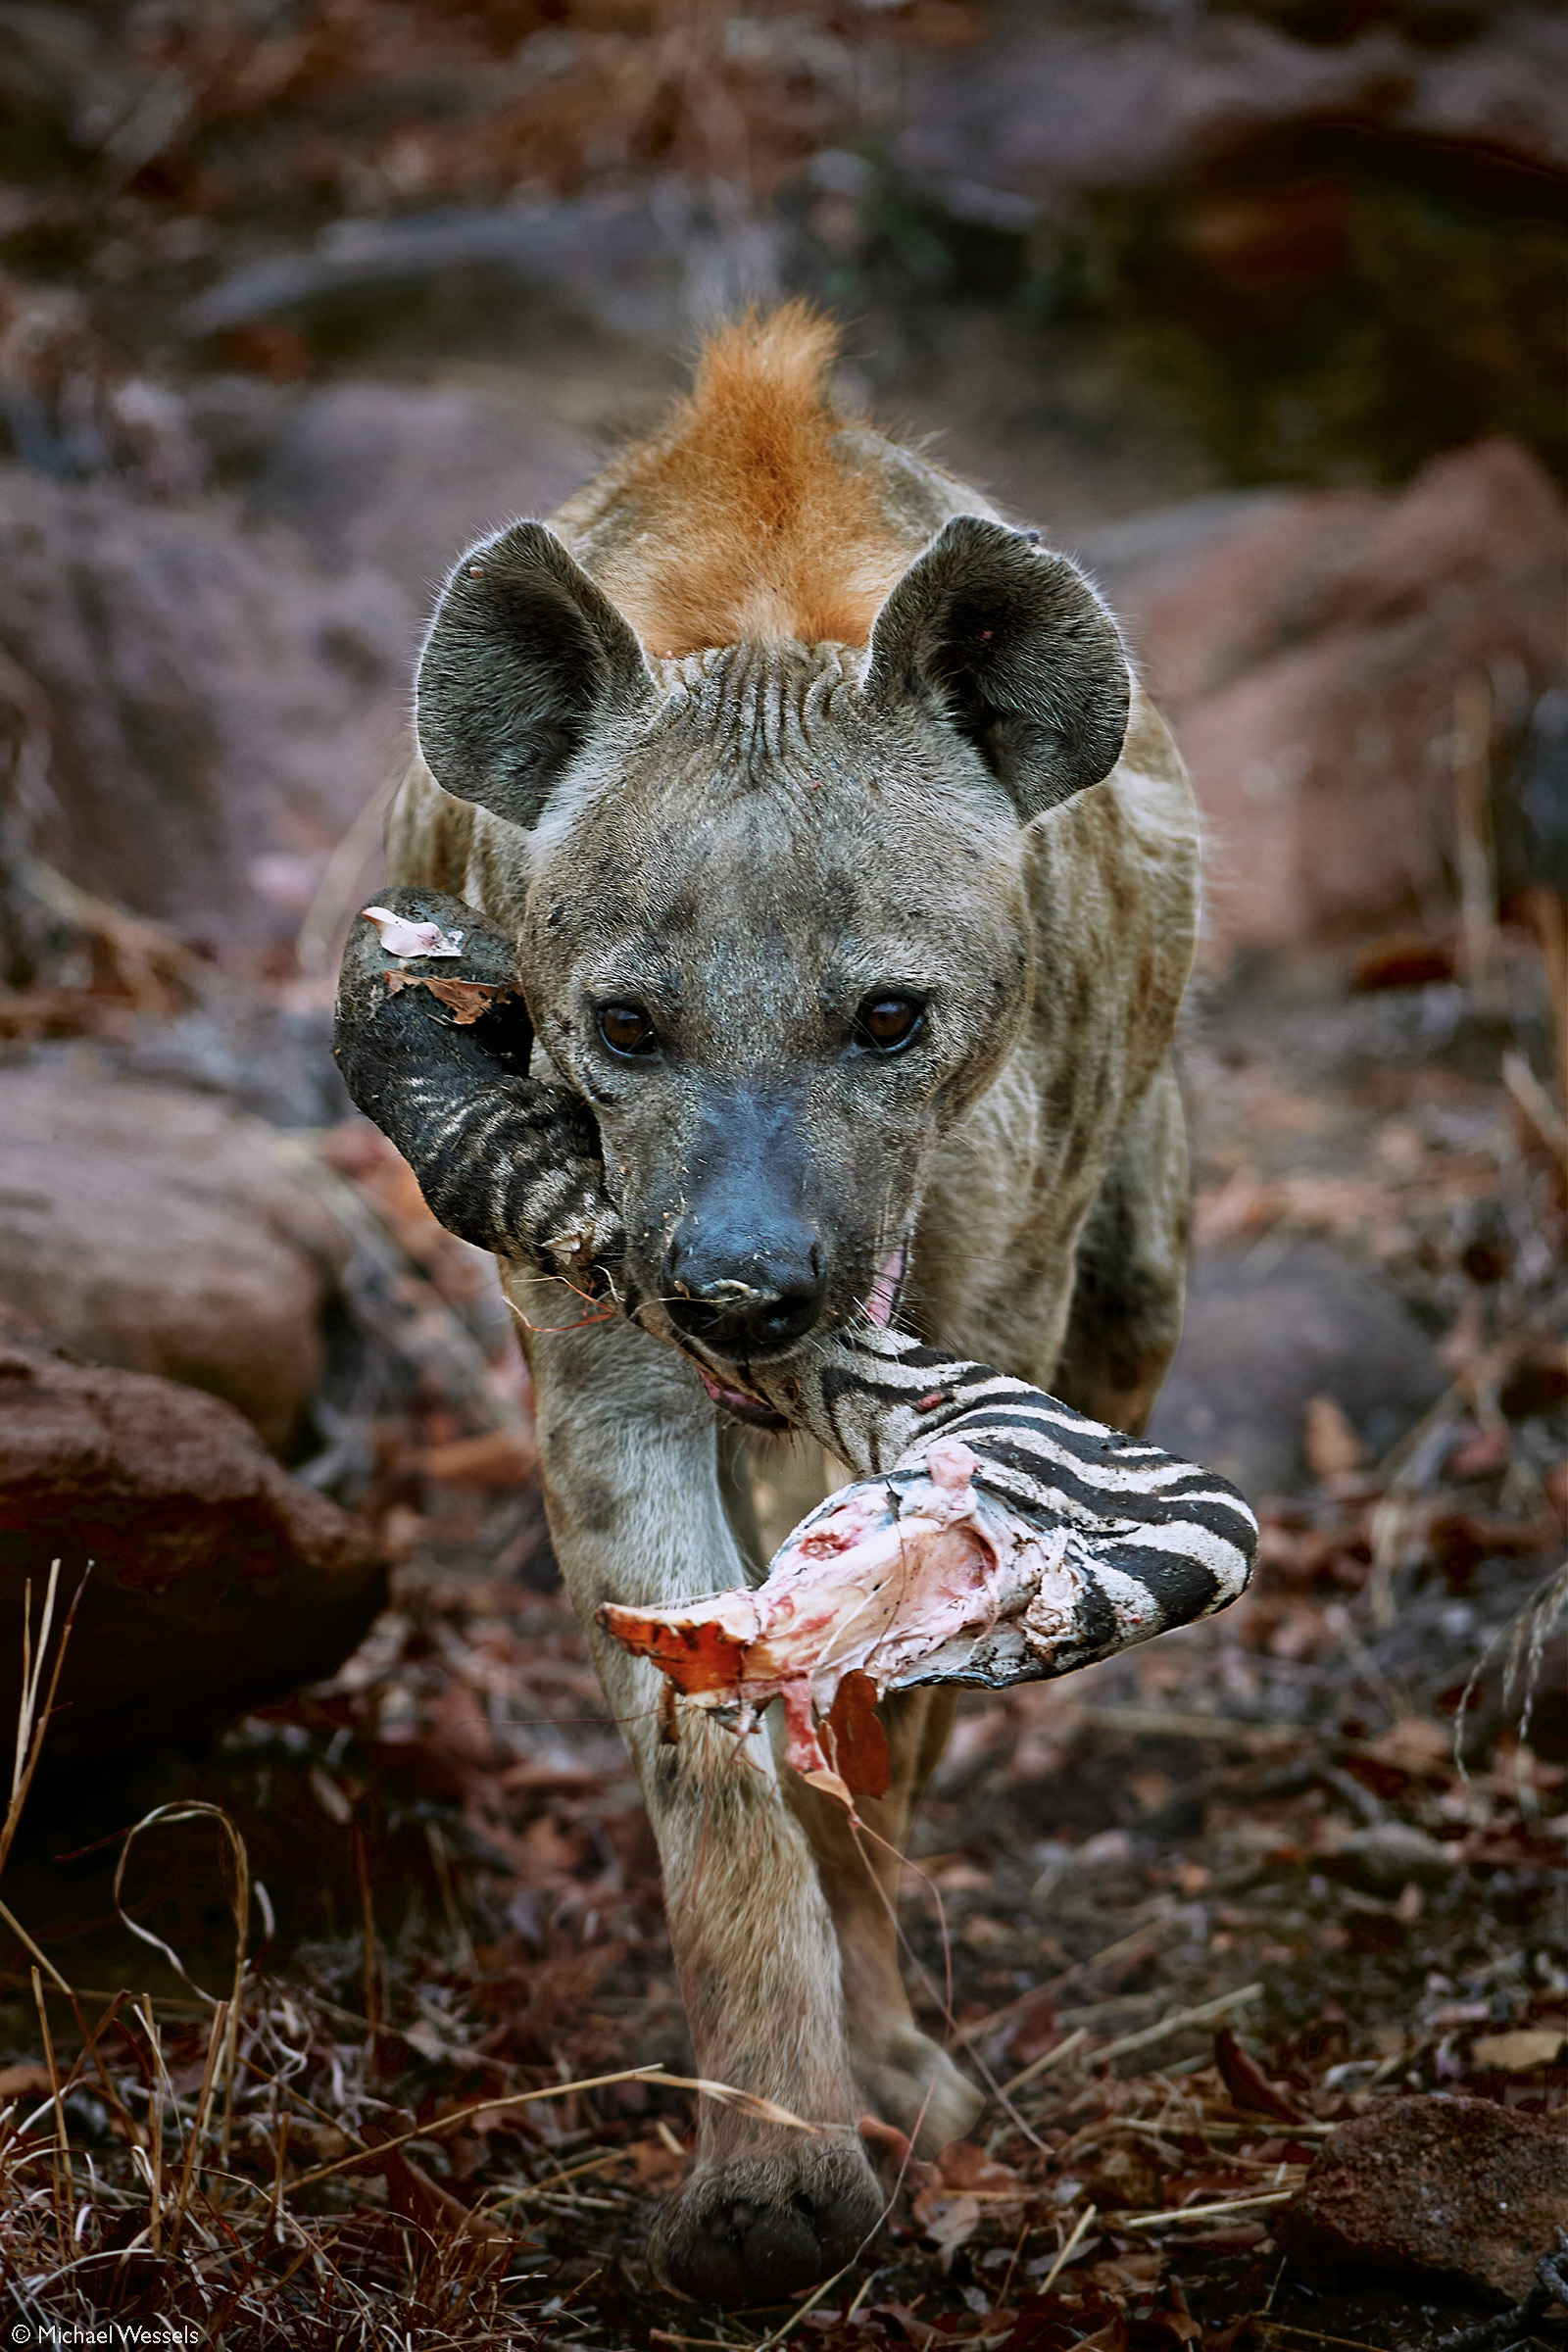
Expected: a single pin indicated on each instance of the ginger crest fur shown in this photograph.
(748, 519)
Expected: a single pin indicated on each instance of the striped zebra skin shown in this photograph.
(1144, 1541)
(1131, 1540)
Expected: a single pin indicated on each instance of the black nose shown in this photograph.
(741, 1296)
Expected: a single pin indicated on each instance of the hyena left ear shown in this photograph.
(525, 659)
(1013, 648)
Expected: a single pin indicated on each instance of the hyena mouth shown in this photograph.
(742, 1406)
(882, 1304)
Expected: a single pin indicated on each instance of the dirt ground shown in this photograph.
(1182, 1914)
(1322, 1821)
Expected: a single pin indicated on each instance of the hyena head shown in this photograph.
(772, 898)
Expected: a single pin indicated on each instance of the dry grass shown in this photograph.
(431, 2102)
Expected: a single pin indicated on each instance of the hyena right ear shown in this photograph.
(1012, 647)
(524, 655)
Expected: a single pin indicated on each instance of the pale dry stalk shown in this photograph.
(65, 2187)
(216, 2043)
(1477, 863)
(155, 2133)
(239, 1894)
(31, 1724)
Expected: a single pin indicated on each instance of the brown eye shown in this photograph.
(626, 1029)
(888, 1022)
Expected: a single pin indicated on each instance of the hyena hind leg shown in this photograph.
(907, 2078)
(1126, 1314)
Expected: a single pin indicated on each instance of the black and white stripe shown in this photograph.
(1149, 1542)
(509, 1164)
(503, 1162)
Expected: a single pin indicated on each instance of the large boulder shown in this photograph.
(161, 1232)
(402, 477)
(1259, 1341)
(1436, 2193)
(1057, 103)
(1306, 648)
(218, 1582)
(193, 702)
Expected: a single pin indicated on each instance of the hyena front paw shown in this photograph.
(761, 2228)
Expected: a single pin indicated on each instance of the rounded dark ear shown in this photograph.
(1013, 646)
(523, 657)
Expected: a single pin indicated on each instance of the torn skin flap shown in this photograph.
(855, 1739)
(703, 1653)
(880, 1573)
(467, 1001)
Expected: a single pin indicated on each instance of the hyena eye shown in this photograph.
(626, 1029)
(889, 1023)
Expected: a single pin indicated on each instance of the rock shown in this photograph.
(1260, 1341)
(162, 1232)
(639, 263)
(1305, 647)
(1442, 2193)
(403, 477)
(1047, 110)
(198, 697)
(218, 1583)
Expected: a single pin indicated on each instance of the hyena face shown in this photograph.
(772, 911)
(777, 959)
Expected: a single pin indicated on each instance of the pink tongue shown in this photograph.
(884, 1290)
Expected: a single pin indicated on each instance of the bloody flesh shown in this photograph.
(881, 1577)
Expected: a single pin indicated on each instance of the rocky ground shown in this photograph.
(1255, 1936)
(1323, 1824)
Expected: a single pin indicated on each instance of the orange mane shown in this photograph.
(748, 518)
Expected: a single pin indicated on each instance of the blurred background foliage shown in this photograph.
(1327, 237)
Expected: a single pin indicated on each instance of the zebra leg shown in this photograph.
(433, 1038)
(1126, 1314)
(994, 1536)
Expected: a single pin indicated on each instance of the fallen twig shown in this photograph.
(1172, 2213)
(1085, 2219)
(762, 2110)
(1205, 2014)
(1047, 2061)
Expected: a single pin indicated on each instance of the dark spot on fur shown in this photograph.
(1062, 1094)
(596, 1507)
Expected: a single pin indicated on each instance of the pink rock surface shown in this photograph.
(219, 1582)
(160, 1231)
(1306, 656)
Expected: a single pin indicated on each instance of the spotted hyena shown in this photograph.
(852, 880)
